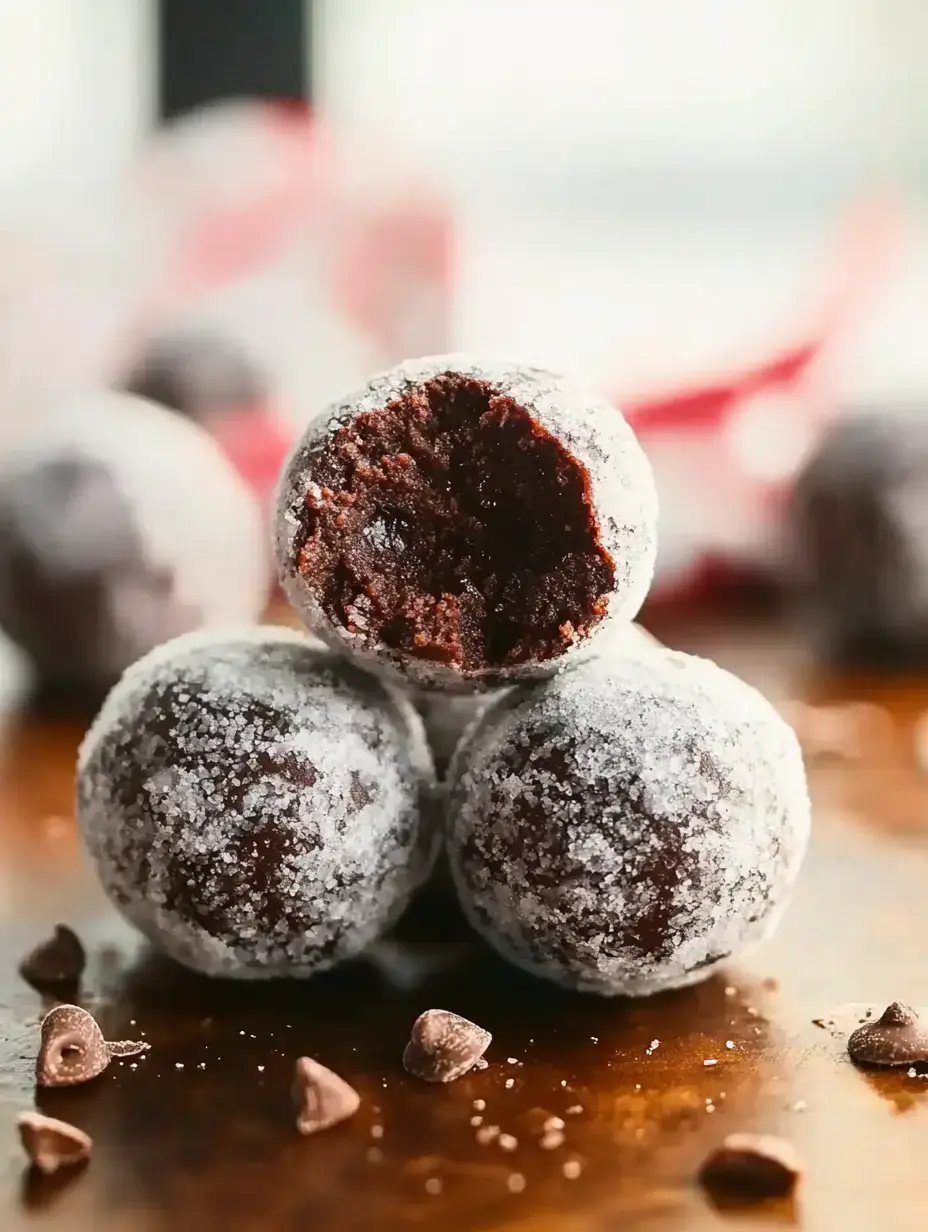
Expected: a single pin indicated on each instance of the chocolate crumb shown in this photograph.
(321, 1097)
(895, 1038)
(751, 1167)
(56, 963)
(52, 1144)
(552, 1139)
(72, 1049)
(443, 1046)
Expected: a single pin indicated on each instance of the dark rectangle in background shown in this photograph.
(210, 50)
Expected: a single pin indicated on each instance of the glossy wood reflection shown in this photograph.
(199, 1135)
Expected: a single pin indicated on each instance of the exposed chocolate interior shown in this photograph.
(451, 525)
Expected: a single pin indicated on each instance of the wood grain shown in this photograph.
(200, 1134)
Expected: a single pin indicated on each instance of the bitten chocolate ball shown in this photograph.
(255, 806)
(122, 526)
(465, 525)
(198, 374)
(626, 827)
(859, 539)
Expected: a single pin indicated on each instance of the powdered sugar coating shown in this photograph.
(591, 429)
(255, 806)
(447, 716)
(624, 828)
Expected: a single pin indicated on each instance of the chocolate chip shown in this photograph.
(443, 1046)
(52, 1144)
(56, 963)
(72, 1048)
(751, 1167)
(897, 1037)
(322, 1098)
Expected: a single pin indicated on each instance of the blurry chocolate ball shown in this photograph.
(121, 525)
(859, 539)
(199, 374)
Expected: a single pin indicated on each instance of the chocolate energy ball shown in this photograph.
(626, 827)
(121, 526)
(859, 539)
(198, 374)
(465, 525)
(448, 715)
(254, 805)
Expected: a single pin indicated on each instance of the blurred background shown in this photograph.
(715, 211)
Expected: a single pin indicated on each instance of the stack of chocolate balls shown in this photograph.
(617, 817)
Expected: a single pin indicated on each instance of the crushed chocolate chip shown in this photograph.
(126, 1048)
(897, 1037)
(52, 1144)
(322, 1098)
(72, 1048)
(751, 1167)
(443, 1046)
(56, 963)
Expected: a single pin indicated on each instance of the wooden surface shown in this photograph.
(200, 1135)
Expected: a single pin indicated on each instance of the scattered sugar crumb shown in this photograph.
(552, 1140)
(476, 1120)
(574, 1109)
(510, 1083)
(710, 1061)
(729, 1043)
(376, 1131)
(433, 1185)
(480, 1104)
(374, 1154)
(516, 1182)
(571, 1169)
(507, 1142)
(487, 1134)
(554, 1122)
